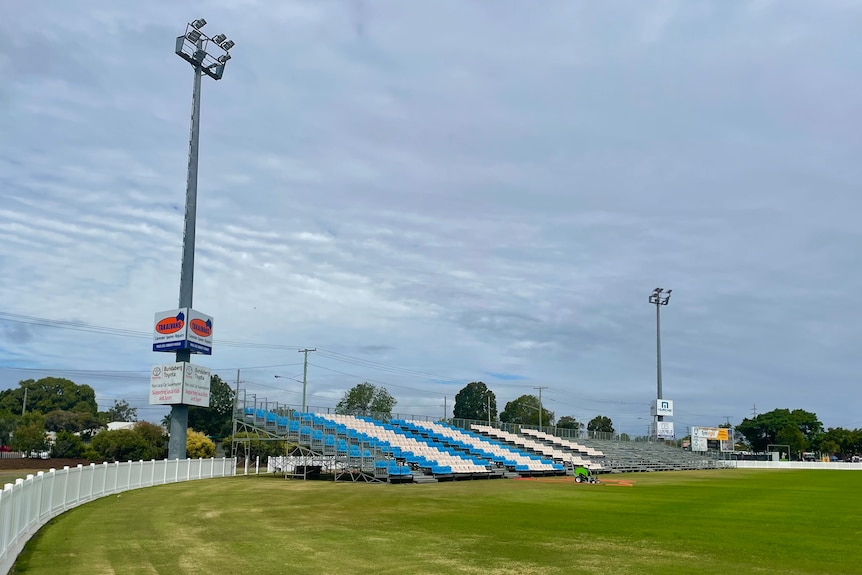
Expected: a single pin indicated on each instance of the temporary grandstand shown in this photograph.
(404, 450)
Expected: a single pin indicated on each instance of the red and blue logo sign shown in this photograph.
(183, 328)
(201, 327)
(171, 325)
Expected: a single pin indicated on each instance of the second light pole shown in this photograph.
(658, 297)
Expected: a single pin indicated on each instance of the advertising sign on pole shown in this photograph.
(200, 335)
(166, 384)
(664, 429)
(196, 386)
(183, 328)
(180, 383)
(663, 407)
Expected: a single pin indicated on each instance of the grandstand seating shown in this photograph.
(502, 455)
(402, 450)
(397, 451)
(574, 455)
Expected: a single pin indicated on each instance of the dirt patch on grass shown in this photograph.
(602, 481)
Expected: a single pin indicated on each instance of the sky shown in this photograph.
(434, 193)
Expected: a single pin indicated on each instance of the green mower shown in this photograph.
(584, 475)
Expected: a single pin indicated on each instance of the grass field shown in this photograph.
(729, 521)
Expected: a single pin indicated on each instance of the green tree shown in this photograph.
(763, 430)
(8, 423)
(525, 411)
(67, 444)
(120, 411)
(838, 441)
(75, 421)
(154, 437)
(367, 399)
(569, 422)
(601, 424)
(49, 394)
(144, 441)
(30, 435)
(199, 446)
(217, 419)
(472, 402)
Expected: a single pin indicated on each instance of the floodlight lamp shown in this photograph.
(219, 38)
(223, 59)
(228, 45)
(193, 35)
(199, 23)
(668, 292)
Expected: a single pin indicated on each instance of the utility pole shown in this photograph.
(235, 403)
(540, 388)
(305, 375)
(754, 410)
(445, 409)
(489, 410)
(24, 405)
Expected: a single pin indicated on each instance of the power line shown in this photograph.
(376, 381)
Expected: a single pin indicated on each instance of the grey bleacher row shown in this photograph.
(606, 456)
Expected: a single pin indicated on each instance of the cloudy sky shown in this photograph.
(432, 193)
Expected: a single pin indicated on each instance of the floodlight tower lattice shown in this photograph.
(658, 298)
(194, 47)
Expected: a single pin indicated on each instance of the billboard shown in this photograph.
(196, 386)
(183, 328)
(200, 334)
(661, 407)
(180, 383)
(166, 384)
(664, 429)
(702, 436)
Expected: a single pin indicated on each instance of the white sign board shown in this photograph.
(166, 384)
(664, 429)
(663, 407)
(196, 386)
(180, 383)
(183, 328)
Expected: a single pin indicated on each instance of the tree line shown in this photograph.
(53, 404)
(69, 410)
(474, 402)
(801, 431)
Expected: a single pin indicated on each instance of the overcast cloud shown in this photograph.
(432, 193)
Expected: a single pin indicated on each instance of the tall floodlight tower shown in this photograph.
(183, 330)
(661, 407)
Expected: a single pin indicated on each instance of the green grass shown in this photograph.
(10, 475)
(731, 521)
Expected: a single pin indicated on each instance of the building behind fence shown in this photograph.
(30, 503)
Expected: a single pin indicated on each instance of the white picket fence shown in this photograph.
(32, 502)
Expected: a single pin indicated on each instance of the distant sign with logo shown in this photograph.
(183, 328)
(663, 407)
(664, 429)
(180, 383)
